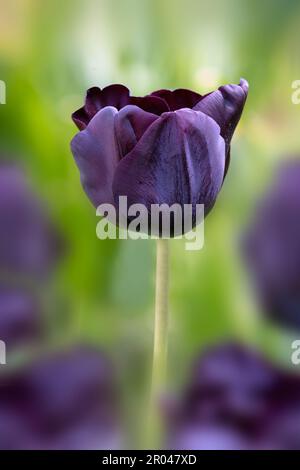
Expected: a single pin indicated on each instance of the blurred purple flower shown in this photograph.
(236, 400)
(167, 147)
(65, 401)
(272, 249)
(19, 317)
(28, 242)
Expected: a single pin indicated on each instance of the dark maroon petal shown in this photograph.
(93, 101)
(130, 124)
(179, 159)
(81, 118)
(151, 104)
(96, 99)
(225, 106)
(96, 153)
(115, 95)
(180, 98)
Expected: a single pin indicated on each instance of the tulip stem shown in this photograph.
(161, 315)
(160, 333)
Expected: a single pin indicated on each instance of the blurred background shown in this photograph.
(101, 293)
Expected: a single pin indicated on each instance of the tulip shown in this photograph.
(64, 401)
(236, 400)
(271, 247)
(165, 148)
(29, 245)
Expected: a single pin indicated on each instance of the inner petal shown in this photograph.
(151, 104)
(96, 99)
(177, 99)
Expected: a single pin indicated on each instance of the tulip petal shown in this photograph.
(177, 99)
(96, 153)
(225, 106)
(130, 124)
(115, 95)
(96, 99)
(179, 159)
(151, 104)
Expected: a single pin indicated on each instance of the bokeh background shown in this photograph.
(101, 293)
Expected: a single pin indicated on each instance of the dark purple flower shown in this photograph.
(167, 147)
(28, 243)
(237, 400)
(272, 249)
(63, 401)
(19, 319)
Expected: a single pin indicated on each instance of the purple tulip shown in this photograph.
(63, 401)
(19, 318)
(28, 242)
(237, 400)
(272, 250)
(167, 147)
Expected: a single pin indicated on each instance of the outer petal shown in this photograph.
(179, 159)
(130, 124)
(96, 153)
(225, 106)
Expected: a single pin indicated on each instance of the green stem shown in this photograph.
(161, 316)
(160, 336)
